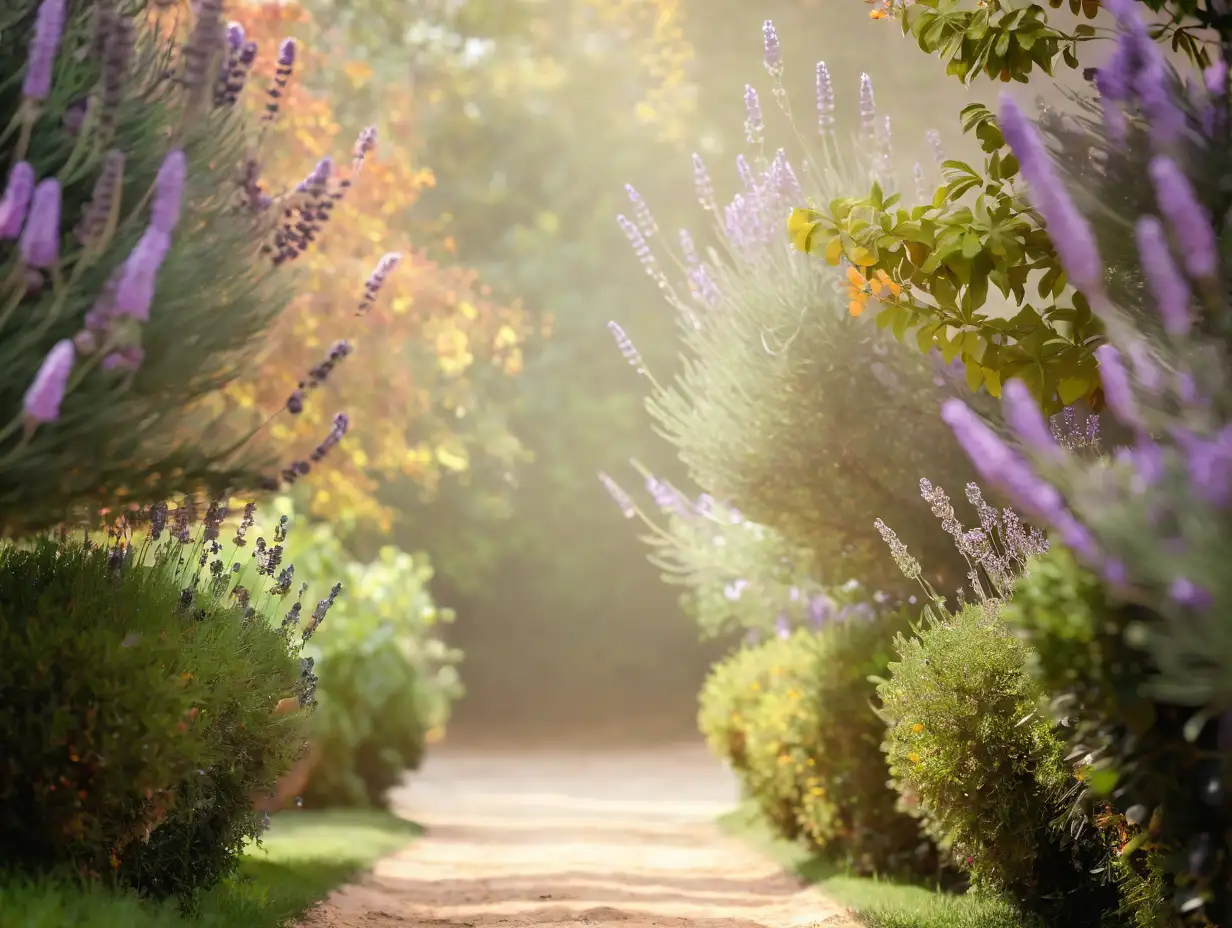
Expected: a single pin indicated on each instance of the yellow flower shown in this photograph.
(880, 287)
(917, 727)
(913, 757)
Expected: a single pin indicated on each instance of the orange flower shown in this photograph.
(880, 287)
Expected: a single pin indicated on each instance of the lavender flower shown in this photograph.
(782, 627)
(820, 610)
(1117, 391)
(773, 52)
(825, 100)
(754, 122)
(703, 184)
(40, 239)
(687, 249)
(169, 192)
(1071, 234)
(135, 288)
(641, 248)
(1026, 420)
(868, 109)
(1171, 291)
(43, 398)
(641, 212)
(1139, 66)
(623, 500)
(921, 183)
(1186, 593)
(1000, 466)
(341, 423)
(16, 201)
(376, 280)
(1189, 220)
(902, 557)
(48, 30)
(934, 142)
(626, 346)
(734, 590)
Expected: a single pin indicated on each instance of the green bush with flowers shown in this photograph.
(793, 717)
(139, 714)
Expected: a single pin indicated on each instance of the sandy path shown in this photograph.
(570, 840)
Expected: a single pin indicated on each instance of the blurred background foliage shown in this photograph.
(531, 115)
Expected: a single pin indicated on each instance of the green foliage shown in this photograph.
(387, 680)
(135, 731)
(975, 237)
(1001, 40)
(1157, 764)
(807, 419)
(299, 861)
(793, 716)
(124, 437)
(968, 742)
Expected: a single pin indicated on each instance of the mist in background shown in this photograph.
(532, 115)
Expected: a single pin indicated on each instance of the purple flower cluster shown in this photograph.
(1151, 389)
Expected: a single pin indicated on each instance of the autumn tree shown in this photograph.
(410, 335)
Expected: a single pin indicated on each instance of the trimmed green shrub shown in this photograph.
(794, 715)
(968, 739)
(140, 260)
(387, 681)
(137, 707)
(1148, 766)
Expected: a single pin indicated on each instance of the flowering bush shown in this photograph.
(141, 257)
(141, 683)
(738, 576)
(807, 419)
(793, 716)
(1151, 523)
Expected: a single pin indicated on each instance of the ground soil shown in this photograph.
(570, 839)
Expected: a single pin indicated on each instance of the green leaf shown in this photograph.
(1072, 389)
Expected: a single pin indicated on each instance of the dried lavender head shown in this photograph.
(104, 201)
(703, 184)
(772, 56)
(376, 280)
(117, 58)
(199, 52)
(868, 109)
(282, 76)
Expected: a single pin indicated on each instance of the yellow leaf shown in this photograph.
(454, 459)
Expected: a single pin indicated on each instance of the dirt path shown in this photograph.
(599, 840)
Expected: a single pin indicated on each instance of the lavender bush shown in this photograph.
(1129, 622)
(148, 674)
(803, 415)
(141, 257)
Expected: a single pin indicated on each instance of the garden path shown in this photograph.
(572, 839)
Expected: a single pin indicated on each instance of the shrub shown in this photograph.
(387, 680)
(1151, 526)
(968, 739)
(122, 322)
(807, 419)
(794, 716)
(137, 720)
